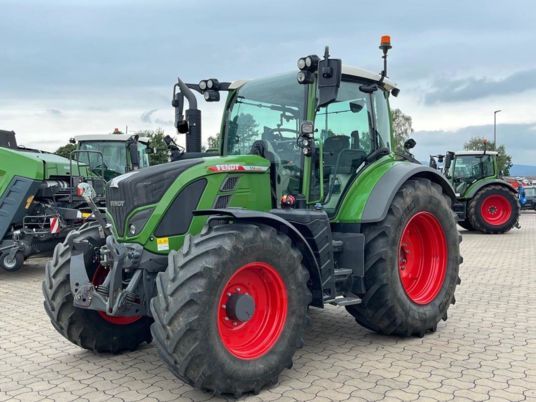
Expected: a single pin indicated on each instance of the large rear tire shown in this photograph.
(411, 263)
(494, 209)
(88, 329)
(231, 308)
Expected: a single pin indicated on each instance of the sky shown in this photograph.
(87, 66)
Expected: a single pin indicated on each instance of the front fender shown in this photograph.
(281, 225)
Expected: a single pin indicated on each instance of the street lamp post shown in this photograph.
(495, 127)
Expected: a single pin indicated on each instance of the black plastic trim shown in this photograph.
(177, 219)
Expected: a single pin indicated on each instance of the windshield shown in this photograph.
(467, 169)
(266, 114)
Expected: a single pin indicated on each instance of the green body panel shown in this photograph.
(32, 165)
(476, 186)
(252, 192)
(354, 200)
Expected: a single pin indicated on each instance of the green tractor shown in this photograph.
(218, 258)
(485, 202)
(111, 155)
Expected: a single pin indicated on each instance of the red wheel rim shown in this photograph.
(98, 278)
(496, 210)
(255, 337)
(422, 258)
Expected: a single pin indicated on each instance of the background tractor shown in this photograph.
(485, 202)
(111, 155)
(218, 258)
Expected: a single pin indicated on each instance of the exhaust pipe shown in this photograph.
(191, 122)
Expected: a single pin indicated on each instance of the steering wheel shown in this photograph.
(100, 166)
(278, 132)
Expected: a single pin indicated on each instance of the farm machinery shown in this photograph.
(38, 200)
(485, 202)
(218, 258)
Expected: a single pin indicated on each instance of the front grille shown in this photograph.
(222, 201)
(230, 183)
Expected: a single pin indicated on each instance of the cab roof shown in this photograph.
(469, 153)
(346, 70)
(108, 137)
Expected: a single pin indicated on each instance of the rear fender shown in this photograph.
(384, 191)
(476, 187)
(283, 226)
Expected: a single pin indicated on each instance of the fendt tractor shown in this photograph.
(485, 202)
(219, 258)
(38, 200)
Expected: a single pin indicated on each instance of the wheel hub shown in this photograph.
(496, 210)
(240, 307)
(252, 310)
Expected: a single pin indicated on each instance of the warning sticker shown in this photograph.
(162, 243)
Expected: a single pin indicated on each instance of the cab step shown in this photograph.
(345, 301)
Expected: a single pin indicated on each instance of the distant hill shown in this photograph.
(523, 170)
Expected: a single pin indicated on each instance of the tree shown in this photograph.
(157, 143)
(65, 150)
(504, 161)
(214, 142)
(402, 127)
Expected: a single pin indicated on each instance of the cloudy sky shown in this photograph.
(87, 66)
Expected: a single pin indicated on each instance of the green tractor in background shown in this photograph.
(218, 258)
(485, 202)
(111, 155)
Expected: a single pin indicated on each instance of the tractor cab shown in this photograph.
(467, 167)
(111, 155)
(265, 117)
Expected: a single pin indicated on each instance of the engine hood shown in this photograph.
(141, 187)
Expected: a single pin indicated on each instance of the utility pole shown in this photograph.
(495, 128)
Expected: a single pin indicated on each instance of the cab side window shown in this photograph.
(344, 129)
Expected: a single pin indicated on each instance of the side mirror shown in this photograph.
(132, 147)
(355, 107)
(409, 144)
(182, 126)
(329, 79)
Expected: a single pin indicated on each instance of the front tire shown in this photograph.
(231, 308)
(494, 209)
(411, 263)
(89, 329)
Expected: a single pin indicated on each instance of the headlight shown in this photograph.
(301, 63)
(132, 229)
(202, 85)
